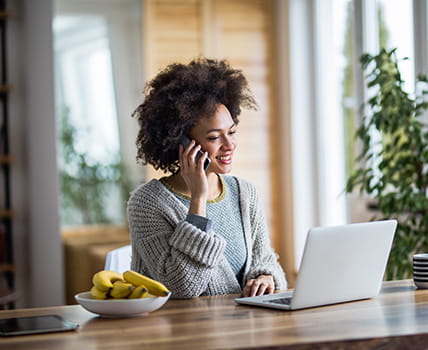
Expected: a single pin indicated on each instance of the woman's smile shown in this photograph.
(225, 159)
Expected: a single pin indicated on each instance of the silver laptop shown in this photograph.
(339, 264)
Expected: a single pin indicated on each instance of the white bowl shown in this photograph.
(120, 307)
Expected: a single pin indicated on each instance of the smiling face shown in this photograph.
(216, 135)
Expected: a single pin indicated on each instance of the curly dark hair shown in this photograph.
(177, 98)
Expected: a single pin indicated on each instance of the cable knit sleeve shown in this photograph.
(263, 261)
(168, 248)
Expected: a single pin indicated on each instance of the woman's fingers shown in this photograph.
(188, 157)
(192, 155)
(201, 160)
(246, 291)
(250, 288)
(259, 286)
(270, 289)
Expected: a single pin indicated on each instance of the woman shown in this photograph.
(198, 231)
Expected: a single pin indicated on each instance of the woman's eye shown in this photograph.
(231, 132)
(212, 138)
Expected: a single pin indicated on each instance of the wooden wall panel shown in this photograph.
(244, 39)
(172, 33)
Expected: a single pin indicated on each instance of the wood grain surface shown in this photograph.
(396, 319)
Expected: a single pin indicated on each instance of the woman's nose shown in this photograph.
(228, 143)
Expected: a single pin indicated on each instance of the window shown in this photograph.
(85, 83)
(328, 87)
(98, 85)
(89, 147)
(396, 31)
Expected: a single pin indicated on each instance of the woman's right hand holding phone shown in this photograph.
(194, 176)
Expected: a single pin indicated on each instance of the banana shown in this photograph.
(104, 280)
(154, 287)
(121, 289)
(98, 294)
(139, 292)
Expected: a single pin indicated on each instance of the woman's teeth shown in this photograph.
(225, 159)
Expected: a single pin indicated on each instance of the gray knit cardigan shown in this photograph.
(189, 261)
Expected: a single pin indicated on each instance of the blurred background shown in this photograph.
(77, 70)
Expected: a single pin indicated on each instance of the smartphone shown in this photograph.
(186, 142)
(34, 325)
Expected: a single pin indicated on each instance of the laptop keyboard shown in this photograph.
(282, 301)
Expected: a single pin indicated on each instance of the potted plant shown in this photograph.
(87, 184)
(392, 166)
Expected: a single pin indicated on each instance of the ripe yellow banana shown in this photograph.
(98, 294)
(154, 287)
(104, 280)
(121, 289)
(139, 292)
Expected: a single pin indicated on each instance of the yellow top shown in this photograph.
(182, 195)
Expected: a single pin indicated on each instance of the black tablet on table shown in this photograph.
(34, 325)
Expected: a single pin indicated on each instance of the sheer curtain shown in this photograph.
(317, 35)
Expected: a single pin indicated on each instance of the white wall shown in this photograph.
(37, 245)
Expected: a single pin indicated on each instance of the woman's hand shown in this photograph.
(195, 177)
(263, 284)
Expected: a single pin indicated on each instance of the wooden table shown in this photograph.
(397, 319)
